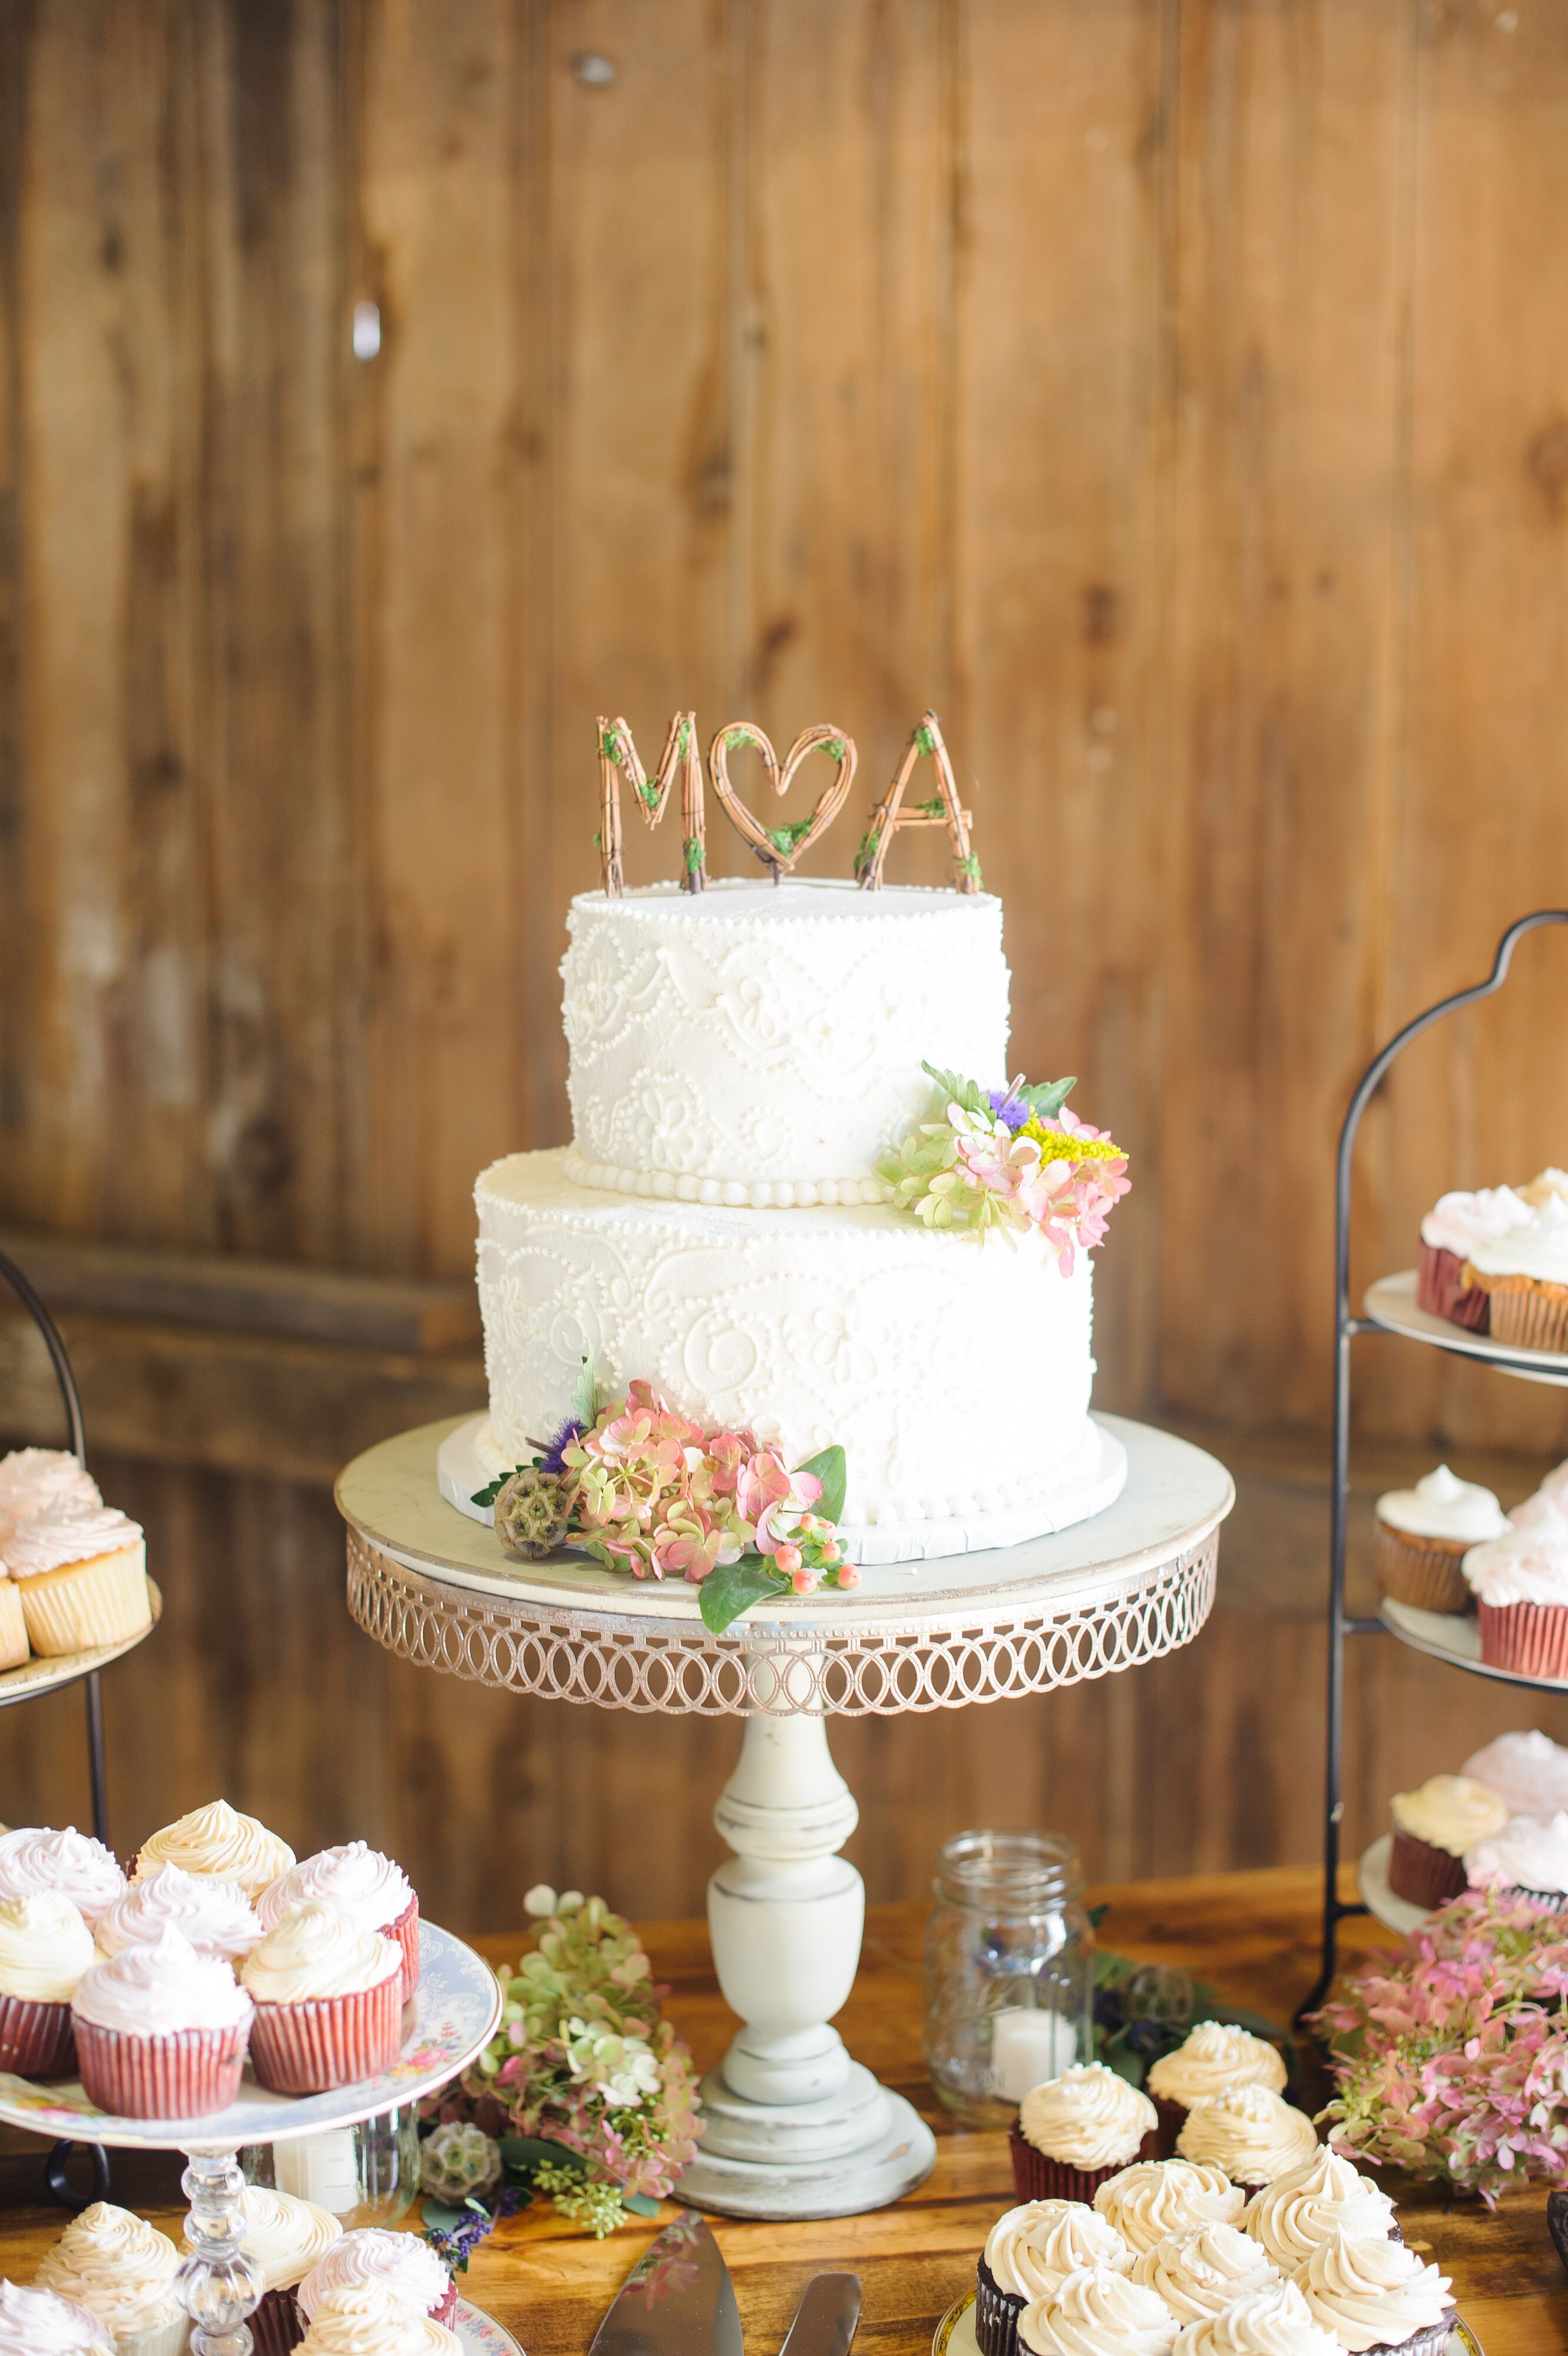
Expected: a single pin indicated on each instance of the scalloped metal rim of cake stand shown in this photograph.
(912, 1645)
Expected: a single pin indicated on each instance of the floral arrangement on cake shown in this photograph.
(642, 1488)
(1009, 1158)
(1452, 2056)
(584, 2093)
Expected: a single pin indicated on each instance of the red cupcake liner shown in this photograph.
(405, 1930)
(180, 2077)
(277, 2325)
(1442, 1292)
(1422, 1571)
(326, 2042)
(36, 2040)
(1039, 2178)
(1531, 1638)
(445, 2311)
(1423, 1873)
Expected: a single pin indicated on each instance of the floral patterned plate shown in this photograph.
(955, 2334)
(483, 2333)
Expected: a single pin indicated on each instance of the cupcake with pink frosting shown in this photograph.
(329, 2000)
(1521, 1585)
(400, 2263)
(81, 1573)
(359, 1881)
(216, 1916)
(1526, 1860)
(35, 1479)
(79, 1867)
(40, 2323)
(1528, 1772)
(161, 2031)
(44, 1947)
(1456, 1225)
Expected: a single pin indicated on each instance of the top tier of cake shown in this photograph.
(761, 1045)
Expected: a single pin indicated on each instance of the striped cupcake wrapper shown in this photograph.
(1422, 1571)
(326, 2042)
(180, 2077)
(277, 2325)
(1529, 1638)
(405, 1930)
(36, 2040)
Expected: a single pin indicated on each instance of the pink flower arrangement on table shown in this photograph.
(1452, 2058)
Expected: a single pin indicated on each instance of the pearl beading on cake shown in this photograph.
(761, 1194)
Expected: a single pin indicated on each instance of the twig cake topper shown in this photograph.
(778, 847)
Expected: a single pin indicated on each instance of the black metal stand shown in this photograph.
(1347, 1330)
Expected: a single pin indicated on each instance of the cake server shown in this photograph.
(826, 2318)
(677, 2299)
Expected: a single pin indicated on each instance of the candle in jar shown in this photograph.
(1027, 2047)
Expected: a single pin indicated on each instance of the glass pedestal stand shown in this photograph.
(794, 2128)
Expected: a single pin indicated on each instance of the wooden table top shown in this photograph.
(1249, 1933)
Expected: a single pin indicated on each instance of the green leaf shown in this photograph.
(831, 1470)
(734, 1587)
(924, 740)
(438, 2219)
(865, 851)
(935, 808)
(734, 738)
(969, 1094)
(1048, 1099)
(834, 748)
(971, 867)
(528, 2152)
(609, 744)
(785, 838)
(585, 1393)
(642, 2204)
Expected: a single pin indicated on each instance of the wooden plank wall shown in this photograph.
(1175, 391)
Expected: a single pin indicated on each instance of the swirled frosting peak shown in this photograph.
(356, 1878)
(1441, 1507)
(1276, 2322)
(1201, 2270)
(315, 1951)
(81, 1868)
(1449, 1812)
(1537, 1248)
(1458, 1222)
(68, 1533)
(1249, 2131)
(1526, 1855)
(401, 2263)
(286, 2237)
(216, 1916)
(1214, 2056)
(117, 2266)
(1032, 2249)
(1165, 2196)
(1372, 2293)
(1528, 1565)
(1088, 2118)
(41, 2323)
(1325, 2195)
(44, 1947)
(32, 1478)
(1099, 2312)
(219, 1842)
(1528, 1772)
(369, 2319)
(160, 1988)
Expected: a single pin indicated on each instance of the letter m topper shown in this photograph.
(617, 758)
(942, 810)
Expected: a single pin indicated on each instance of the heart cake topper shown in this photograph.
(778, 847)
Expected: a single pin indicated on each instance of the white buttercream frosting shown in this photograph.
(32, 1478)
(1526, 1855)
(1272, 2322)
(219, 1842)
(1528, 1772)
(41, 2323)
(286, 2237)
(369, 2319)
(1099, 2312)
(401, 2263)
(1087, 2118)
(1158, 2197)
(312, 1952)
(117, 2266)
(1441, 1507)
(1031, 2250)
(1449, 1812)
(1462, 1222)
(1215, 2055)
(81, 1868)
(356, 1878)
(1538, 1248)
(67, 1533)
(161, 1990)
(1325, 2195)
(1528, 1565)
(1545, 1182)
(1249, 2131)
(1372, 2293)
(44, 1947)
(1200, 2271)
(216, 1916)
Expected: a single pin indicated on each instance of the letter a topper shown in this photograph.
(618, 757)
(942, 810)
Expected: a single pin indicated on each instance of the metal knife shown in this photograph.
(677, 2299)
(826, 2318)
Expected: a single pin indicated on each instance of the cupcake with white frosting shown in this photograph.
(1433, 1827)
(285, 2240)
(1213, 2055)
(13, 1646)
(41, 2323)
(1029, 2254)
(1423, 1535)
(400, 2263)
(358, 1880)
(1097, 2311)
(81, 1868)
(1309, 2205)
(1521, 1585)
(366, 2319)
(161, 2031)
(216, 1916)
(1526, 1860)
(1160, 2197)
(1528, 1772)
(121, 2270)
(1272, 2322)
(1076, 2130)
(1204, 2270)
(329, 2000)
(44, 1947)
(1456, 1226)
(1376, 2298)
(1524, 1275)
(36, 1480)
(1250, 2132)
(81, 1573)
(219, 1844)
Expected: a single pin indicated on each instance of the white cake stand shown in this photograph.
(794, 2128)
(451, 2018)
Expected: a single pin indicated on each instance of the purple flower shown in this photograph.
(551, 1462)
(1008, 1107)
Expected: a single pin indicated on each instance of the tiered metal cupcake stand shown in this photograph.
(1390, 1307)
(452, 2017)
(794, 2128)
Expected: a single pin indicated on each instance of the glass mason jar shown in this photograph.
(1009, 1971)
(366, 2175)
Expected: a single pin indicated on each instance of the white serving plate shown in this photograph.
(1372, 1878)
(1391, 1302)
